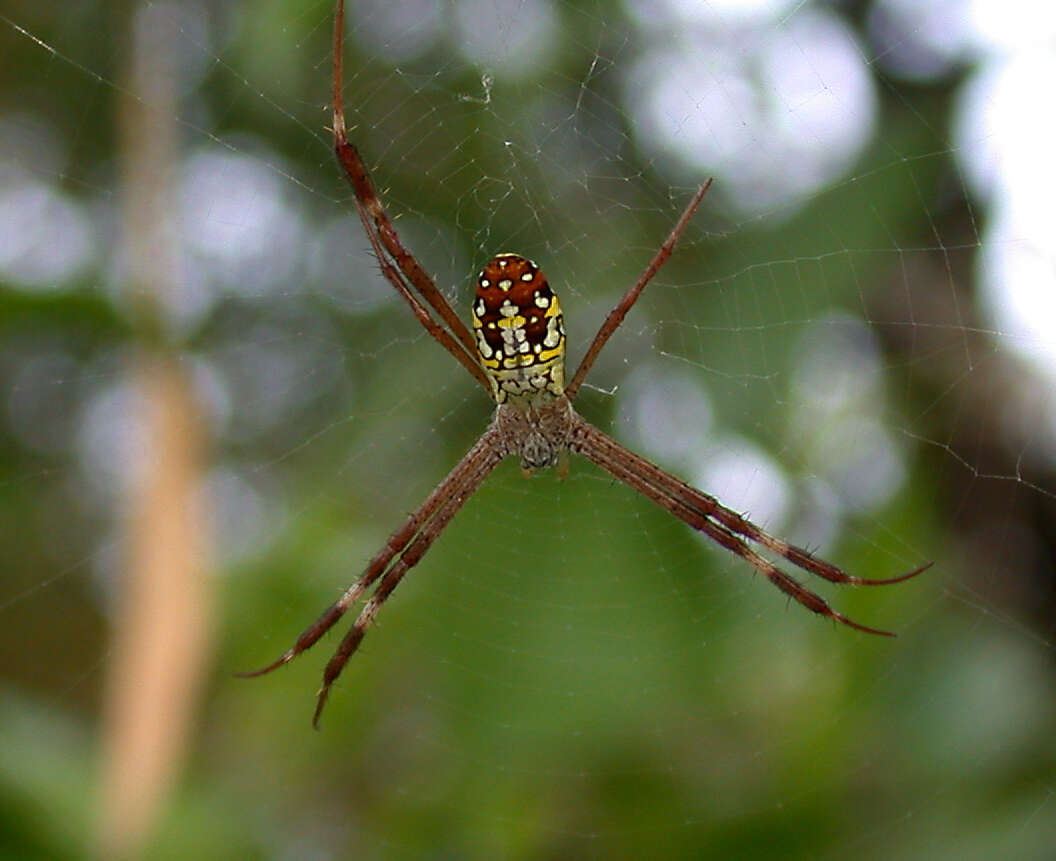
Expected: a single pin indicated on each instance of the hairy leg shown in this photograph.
(458, 485)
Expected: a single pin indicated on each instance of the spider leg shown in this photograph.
(625, 465)
(377, 222)
(616, 315)
(458, 484)
(791, 587)
(431, 326)
(707, 505)
(430, 531)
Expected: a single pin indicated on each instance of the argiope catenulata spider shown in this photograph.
(516, 352)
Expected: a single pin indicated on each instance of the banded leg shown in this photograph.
(616, 315)
(592, 444)
(372, 210)
(411, 557)
(706, 505)
(459, 484)
(469, 362)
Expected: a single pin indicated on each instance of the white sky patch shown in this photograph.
(239, 224)
(746, 479)
(775, 114)
(1017, 277)
(45, 238)
(666, 414)
(837, 372)
(247, 511)
(342, 267)
(859, 459)
(920, 39)
(837, 412)
(111, 439)
(1004, 26)
(1003, 139)
(722, 13)
(403, 30)
(507, 36)
(818, 515)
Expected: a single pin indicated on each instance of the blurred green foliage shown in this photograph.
(570, 673)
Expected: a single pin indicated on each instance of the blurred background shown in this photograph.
(213, 411)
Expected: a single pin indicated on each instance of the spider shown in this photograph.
(516, 352)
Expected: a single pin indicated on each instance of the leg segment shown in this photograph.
(377, 221)
(669, 493)
(616, 315)
(458, 485)
(469, 362)
(411, 557)
(708, 506)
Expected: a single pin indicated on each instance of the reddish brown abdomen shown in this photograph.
(519, 330)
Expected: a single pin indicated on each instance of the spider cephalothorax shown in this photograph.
(516, 351)
(539, 434)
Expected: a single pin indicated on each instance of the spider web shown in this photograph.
(852, 344)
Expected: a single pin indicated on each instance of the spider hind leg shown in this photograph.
(720, 524)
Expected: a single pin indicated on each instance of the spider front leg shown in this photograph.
(706, 515)
(398, 265)
(616, 315)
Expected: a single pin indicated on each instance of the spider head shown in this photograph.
(519, 331)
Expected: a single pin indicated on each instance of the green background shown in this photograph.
(569, 673)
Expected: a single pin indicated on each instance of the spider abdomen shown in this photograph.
(519, 331)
